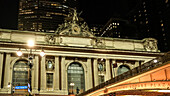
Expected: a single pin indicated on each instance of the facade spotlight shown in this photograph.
(30, 43)
(19, 52)
(42, 53)
(155, 61)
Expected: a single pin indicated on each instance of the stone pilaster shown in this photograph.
(56, 74)
(7, 70)
(36, 74)
(136, 63)
(108, 74)
(96, 76)
(89, 83)
(63, 74)
(1, 66)
(43, 74)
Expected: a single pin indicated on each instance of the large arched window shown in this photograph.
(122, 69)
(76, 76)
(20, 73)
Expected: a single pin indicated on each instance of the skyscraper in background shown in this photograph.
(43, 15)
(119, 28)
(152, 20)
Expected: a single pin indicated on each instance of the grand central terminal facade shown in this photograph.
(73, 59)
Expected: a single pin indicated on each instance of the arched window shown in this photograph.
(122, 69)
(20, 73)
(76, 77)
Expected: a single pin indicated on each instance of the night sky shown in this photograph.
(93, 11)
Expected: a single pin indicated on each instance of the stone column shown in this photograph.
(63, 74)
(36, 74)
(43, 74)
(1, 66)
(108, 74)
(56, 74)
(96, 77)
(7, 70)
(89, 79)
(136, 63)
(114, 70)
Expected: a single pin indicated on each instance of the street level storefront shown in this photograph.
(69, 61)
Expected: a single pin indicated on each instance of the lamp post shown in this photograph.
(30, 44)
(72, 85)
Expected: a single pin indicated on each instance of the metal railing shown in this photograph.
(155, 63)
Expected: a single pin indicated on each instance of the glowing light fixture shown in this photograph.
(155, 61)
(19, 52)
(30, 43)
(42, 53)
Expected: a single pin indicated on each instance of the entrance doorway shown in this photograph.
(76, 78)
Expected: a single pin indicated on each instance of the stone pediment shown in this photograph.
(74, 27)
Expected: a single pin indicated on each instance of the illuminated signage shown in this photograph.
(21, 87)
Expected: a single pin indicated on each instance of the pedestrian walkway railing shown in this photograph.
(150, 65)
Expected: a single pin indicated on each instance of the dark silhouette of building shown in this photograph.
(43, 15)
(96, 29)
(119, 28)
(152, 20)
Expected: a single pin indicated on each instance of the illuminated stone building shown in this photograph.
(72, 55)
(43, 15)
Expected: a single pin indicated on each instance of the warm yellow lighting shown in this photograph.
(71, 84)
(42, 53)
(19, 53)
(160, 91)
(163, 90)
(30, 43)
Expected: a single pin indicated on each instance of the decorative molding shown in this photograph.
(74, 27)
(150, 44)
(50, 39)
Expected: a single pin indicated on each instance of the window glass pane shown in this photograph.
(20, 73)
(49, 80)
(76, 76)
(122, 69)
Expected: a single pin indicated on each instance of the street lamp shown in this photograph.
(72, 85)
(19, 52)
(42, 53)
(30, 43)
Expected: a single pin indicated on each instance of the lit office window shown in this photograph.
(166, 1)
(146, 22)
(162, 24)
(144, 10)
(134, 20)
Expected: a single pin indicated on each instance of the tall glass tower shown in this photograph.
(43, 15)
